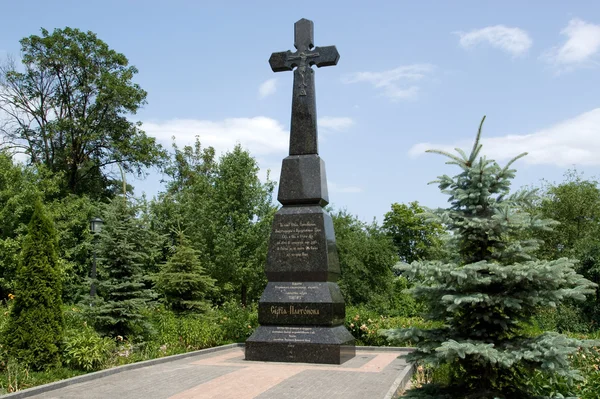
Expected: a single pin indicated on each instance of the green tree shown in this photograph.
(182, 280)
(241, 213)
(226, 211)
(20, 187)
(575, 204)
(123, 247)
(483, 303)
(366, 255)
(69, 110)
(184, 203)
(35, 327)
(71, 215)
(415, 237)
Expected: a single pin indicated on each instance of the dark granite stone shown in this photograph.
(301, 312)
(303, 128)
(297, 303)
(330, 345)
(302, 246)
(303, 181)
(303, 135)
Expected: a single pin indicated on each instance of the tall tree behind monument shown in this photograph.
(67, 107)
(301, 312)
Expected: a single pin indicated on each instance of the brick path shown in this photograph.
(224, 374)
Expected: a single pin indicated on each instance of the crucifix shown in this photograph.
(303, 129)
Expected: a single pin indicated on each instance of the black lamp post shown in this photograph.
(95, 228)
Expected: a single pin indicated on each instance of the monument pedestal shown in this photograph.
(301, 311)
(304, 344)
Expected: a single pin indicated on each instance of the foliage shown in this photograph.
(122, 293)
(68, 110)
(182, 280)
(366, 325)
(84, 349)
(485, 300)
(35, 326)
(71, 215)
(366, 256)
(587, 362)
(564, 318)
(238, 322)
(226, 212)
(575, 204)
(415, 237)
(179, 333)
(402, 303)
(241, 213)
(20, 187)
(15, 376)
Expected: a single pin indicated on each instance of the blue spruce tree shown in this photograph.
(123, 250)
(483, 304)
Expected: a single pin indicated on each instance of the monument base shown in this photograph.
(327, 345)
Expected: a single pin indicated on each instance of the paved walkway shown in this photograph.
(224, 374)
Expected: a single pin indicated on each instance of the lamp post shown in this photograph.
(95, 228)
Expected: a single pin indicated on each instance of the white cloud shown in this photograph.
(574, 141)
(583, 42)
(265, 138)
(335, 188)
(262, 136)
(514, 41)
(337, 124)
(398, 83)
(267, 88)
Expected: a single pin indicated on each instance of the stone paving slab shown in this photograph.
(224, 374)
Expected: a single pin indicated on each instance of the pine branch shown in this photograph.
(476, 145)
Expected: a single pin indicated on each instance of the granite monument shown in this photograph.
(301, 312)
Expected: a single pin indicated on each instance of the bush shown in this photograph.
(564, 318)
(236, 321)
(404, 305)
(84, 349)
(587, 362)
(366, 326)
(178, 333)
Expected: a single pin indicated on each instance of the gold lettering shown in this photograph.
(303, 311)
(278, 310)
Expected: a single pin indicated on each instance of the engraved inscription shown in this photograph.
(292, 334)
(296, 240)
(295, 291)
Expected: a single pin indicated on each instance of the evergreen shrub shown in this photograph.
(34, 330)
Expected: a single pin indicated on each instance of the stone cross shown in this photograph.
(303, 130)
(301, 311)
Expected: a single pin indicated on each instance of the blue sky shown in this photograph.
(411, 76)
